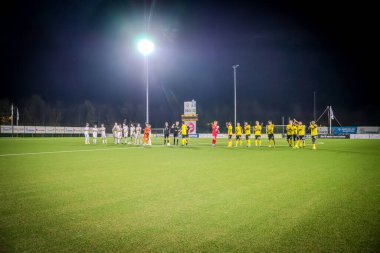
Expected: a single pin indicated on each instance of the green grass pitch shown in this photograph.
(59, 195)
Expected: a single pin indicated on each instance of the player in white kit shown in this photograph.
(103, 134)
(119, 133)
(115, 132)
(86, 134)
(94, 134)
(125, 133)
(138, 135)
(132, 130)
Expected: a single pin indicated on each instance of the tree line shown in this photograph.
(36, 111)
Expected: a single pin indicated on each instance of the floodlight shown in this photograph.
(145, 46)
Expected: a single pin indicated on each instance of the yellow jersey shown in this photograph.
(247, 129)
(238, 130)
(301, 130)
(313, 130)
(229, 130)
(257, 129)
(289, 129)
(184, 129)
(270, 129)
(295, 129)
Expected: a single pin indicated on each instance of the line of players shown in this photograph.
(123, 134)
(95, 131)
(295, 133)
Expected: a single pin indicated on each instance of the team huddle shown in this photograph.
(124, 134)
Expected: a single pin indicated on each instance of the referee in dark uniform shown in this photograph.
(176, 129)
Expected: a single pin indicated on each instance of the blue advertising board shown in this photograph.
(344, 130)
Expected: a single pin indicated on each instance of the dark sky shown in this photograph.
(70, 51)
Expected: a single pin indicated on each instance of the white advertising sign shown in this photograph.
(323, 130)
(40, 129)
(59, 130)
(50, 130)
(18, 129)
(30, 129)
(6, 129)
(368, 130)
(77, 130)
(69, 130)
(364, 136)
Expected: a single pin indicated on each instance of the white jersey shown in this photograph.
(132, 130)
(125, 129)
(115, 130)
(94, 131)
(119, 131)
(86, 131)
(103, 132)
(138, 130)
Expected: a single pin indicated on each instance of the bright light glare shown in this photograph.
(145, 46)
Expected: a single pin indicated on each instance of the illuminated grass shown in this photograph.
(191, 199)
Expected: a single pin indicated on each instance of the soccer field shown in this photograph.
(59, 195)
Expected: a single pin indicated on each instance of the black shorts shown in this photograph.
(238, 137)
(313, 138)
(230, 136)
(257, 137)
(166, 135)
(302, 137)
(271, 136)
(295, 137)
(247, 136)
(289, 137)
(175, 135)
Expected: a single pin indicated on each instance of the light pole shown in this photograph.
(146, 47)
(235, 67)
(314, 112)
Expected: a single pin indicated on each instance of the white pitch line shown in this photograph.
(106, 149)
(58, 152)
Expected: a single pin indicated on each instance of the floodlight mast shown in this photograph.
(146, 47)
(235, 67)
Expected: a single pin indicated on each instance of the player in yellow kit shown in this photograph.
(184, 130)
(295, 134)
(301, 134)
(314, 133)
(270, 132)
(229, 133)
(238, 132)
(289, 133)
(257, 130)
(247, 131)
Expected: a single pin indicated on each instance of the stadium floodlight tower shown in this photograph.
(146, 47)
(235, 67)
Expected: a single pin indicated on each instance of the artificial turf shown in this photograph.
(59, 195)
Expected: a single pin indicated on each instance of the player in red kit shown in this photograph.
(215, 131)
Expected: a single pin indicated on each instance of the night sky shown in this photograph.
(70, 51)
